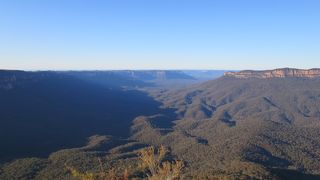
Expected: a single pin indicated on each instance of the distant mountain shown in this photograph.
(146, 78)
(151, 75)
(147, 75)
(205, 74)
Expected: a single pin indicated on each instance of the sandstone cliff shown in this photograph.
(276, 73)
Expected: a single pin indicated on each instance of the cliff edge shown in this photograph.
(276, 73)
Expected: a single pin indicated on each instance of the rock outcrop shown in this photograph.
(276, 73)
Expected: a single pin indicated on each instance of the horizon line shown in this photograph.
(151, 69)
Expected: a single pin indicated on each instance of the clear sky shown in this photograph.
(159, 34)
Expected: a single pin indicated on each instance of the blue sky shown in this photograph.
(159, 34)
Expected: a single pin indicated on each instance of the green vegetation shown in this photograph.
(227, 123)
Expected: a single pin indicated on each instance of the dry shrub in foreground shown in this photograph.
(151, 160)
(151, 163)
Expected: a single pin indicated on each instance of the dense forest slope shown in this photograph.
(226, 123)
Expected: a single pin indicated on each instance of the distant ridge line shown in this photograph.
(276, 73)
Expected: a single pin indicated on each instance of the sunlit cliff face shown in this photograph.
(276, 73)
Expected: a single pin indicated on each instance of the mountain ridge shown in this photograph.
(272, 122)
(276, 73)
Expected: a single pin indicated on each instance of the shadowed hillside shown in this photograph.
(42, 112)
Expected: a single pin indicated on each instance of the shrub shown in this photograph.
(152, 164)
(152, 161)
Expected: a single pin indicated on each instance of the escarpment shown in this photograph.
(276, 73)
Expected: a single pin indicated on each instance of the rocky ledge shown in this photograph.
(276, 73)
